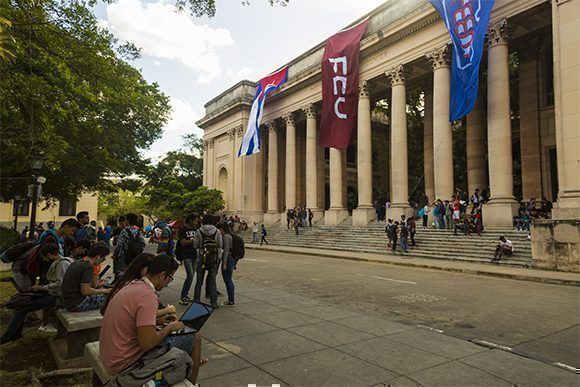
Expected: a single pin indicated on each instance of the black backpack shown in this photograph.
(18, 250)
(239, 249)
(133, 247)
(209, 250)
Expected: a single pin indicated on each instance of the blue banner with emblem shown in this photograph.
(467, 22)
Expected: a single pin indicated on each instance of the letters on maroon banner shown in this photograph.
(340, 67)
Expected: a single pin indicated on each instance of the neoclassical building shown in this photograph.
(405, 49)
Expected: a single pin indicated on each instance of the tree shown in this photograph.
(207, 7)
(113, 204)
(205, 200)
(6, 41)
(71, 93)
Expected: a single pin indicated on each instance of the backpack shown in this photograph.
(238, 250)
(133, 247)
(33, 257)
(209, 250)
(18, 250)
(168, 365)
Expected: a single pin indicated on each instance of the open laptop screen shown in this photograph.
(196, 315)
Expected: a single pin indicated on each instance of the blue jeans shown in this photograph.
(441, 221)
(404, 245)
(189, 265)
(17, 321)
(227, 275)
(212, 273)
(93, 302)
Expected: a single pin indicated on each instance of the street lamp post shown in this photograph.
(36, 163)
(17, 205)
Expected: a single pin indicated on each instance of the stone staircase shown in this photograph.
(431, 243)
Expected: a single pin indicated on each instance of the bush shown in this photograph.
(8, 238)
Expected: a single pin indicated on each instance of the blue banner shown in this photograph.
(467, 22)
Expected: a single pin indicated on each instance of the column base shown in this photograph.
(567, 206)
(333, 216)
(362, 216)
(271, 218)
(318, 215)
(251, 216)
(397, 209)
(500, 213)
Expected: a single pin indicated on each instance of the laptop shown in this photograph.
(194, 317)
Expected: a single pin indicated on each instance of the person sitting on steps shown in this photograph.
(504, 247)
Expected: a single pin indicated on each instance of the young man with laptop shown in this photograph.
(130, 339)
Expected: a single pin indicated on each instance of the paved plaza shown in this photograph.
(276, 335)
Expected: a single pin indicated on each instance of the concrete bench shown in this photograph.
(100, 375)
(75, 329)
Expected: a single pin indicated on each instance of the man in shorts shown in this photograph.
(129, 328)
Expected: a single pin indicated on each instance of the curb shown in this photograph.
(505, 275)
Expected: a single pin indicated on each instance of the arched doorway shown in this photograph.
(223, 185)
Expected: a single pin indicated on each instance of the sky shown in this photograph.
(195, 59)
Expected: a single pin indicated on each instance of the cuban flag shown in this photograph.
(467, 22)
(251, 141)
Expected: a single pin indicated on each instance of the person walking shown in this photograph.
(395, 234)
(425, 215)
(228, 262)
(404, 234)
(208, 242)
(310, 216)
(412, 225)
(264, 234)
(255, 230)
(186, 253)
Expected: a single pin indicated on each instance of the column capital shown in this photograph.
(205, 144)
(310, 110)
(439, 57)
(231, 134)
(363, 89)
(210, 143)
(240, 131)
(272, 127)
(498, 34)
(289, 118)
(397, 75)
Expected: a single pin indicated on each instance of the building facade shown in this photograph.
(406, 49)
(58, 212)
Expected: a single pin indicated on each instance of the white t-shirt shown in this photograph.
(426, 209)
(507, 243)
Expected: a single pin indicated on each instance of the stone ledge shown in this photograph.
(78, 321)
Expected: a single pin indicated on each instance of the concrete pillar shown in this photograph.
(231, 167)
(475, 141)
(205, 161)
(442, 134)
(530, 122)
(337, 211)
(239, 172)
(502, 207)
(312, 171)
(363, 214)
(273, 214)
(211, 163)
(253, 188)
(290, 161)
(428, 143)
(565, 27)
(399, 162)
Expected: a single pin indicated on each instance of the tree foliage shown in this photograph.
(207, 7)
(113, 204)
(71, 93)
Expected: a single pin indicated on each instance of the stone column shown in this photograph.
(253, 187)
(336, 212)
(475, 141)
(399, 162)
(529, 121)
(273, 214)
(239, 173)
(211, 163)
(205, 160)
(565, 27)
(290, 161)
(312, 162)
(442, 134)
(502, 207)
(231, 167)
(363, 214)
(428, 143)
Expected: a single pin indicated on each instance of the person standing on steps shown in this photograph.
(264, 234)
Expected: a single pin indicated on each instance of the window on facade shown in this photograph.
(67, 207)
(21, 208)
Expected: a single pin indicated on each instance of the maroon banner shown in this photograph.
(340, 65)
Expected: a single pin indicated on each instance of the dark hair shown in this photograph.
(162, 263)
(132, 272)
(86, 244)
(121, 218)
(132, 218)
(207, 219)
(99, 249)
(189, 218)
(49, 248)
(70, 222)
(224, 226)
(82, 214)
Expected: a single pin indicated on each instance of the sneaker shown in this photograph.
(185, 301)
(49, 328)
(228, 303)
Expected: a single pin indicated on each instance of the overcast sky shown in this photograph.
(195, 59)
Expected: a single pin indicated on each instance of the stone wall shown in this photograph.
(556, 244)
